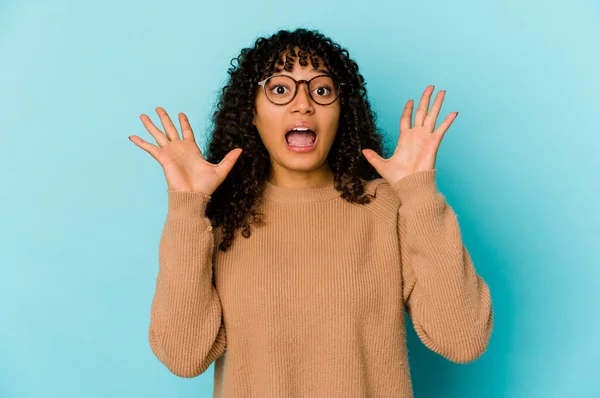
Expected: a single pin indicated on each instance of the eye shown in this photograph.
(279, 89)
(323, 90)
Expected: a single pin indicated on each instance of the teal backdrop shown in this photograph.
(82, 207)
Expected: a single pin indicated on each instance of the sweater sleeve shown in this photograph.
(186, 331)
(447, 301)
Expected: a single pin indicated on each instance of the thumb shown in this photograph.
(230, 159)
(373, 158)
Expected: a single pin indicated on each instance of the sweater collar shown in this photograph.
(279, 194)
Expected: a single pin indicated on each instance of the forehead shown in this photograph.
(298, 68)
(296, 60)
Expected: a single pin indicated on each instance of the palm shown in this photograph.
(418, 145)
(183, 163)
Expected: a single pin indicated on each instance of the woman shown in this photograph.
(311, 301)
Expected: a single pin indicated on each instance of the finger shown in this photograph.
(146, 146)
(406, 117)
(231, 156)
(445, 125)
(227, 163)
(186, 129)
(431, 118)
(423, 106)
(374, 159)
(158, 135)
(167, 124)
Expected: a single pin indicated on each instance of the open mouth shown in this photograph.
(301, 137)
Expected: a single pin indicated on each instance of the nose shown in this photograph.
(302, 102)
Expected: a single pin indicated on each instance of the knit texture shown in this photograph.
(312, 303)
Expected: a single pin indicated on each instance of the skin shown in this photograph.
(290, 169)
(418, 145)
(416, 150)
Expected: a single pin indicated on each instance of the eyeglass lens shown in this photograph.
(280, 89)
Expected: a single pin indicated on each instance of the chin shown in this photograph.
(301, 162)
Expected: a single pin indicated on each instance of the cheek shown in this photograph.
(268, 121)
(334, 120)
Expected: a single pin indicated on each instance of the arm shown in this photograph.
(186, 332)
(448, 302)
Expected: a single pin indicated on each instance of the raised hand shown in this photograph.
(417, 146)
(182, 161)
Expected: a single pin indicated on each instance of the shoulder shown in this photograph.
(384, 202)
(382, 193)
(413, 188)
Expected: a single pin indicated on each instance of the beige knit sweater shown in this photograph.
(312, 304)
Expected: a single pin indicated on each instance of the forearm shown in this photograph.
(449, 303)
(186, 331)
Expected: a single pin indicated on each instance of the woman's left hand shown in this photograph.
(417, 146)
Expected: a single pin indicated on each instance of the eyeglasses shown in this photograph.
(282, 89)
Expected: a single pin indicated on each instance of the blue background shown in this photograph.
(82, 207)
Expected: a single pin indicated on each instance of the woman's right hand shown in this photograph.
(182, 161)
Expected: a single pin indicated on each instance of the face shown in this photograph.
(274, 121)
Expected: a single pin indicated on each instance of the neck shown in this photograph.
(301, 179)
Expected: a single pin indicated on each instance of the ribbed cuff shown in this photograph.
(186, 205)
(416, 185)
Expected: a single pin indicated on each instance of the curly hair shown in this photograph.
(234, 203)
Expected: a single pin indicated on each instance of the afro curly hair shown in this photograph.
(234, 204)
